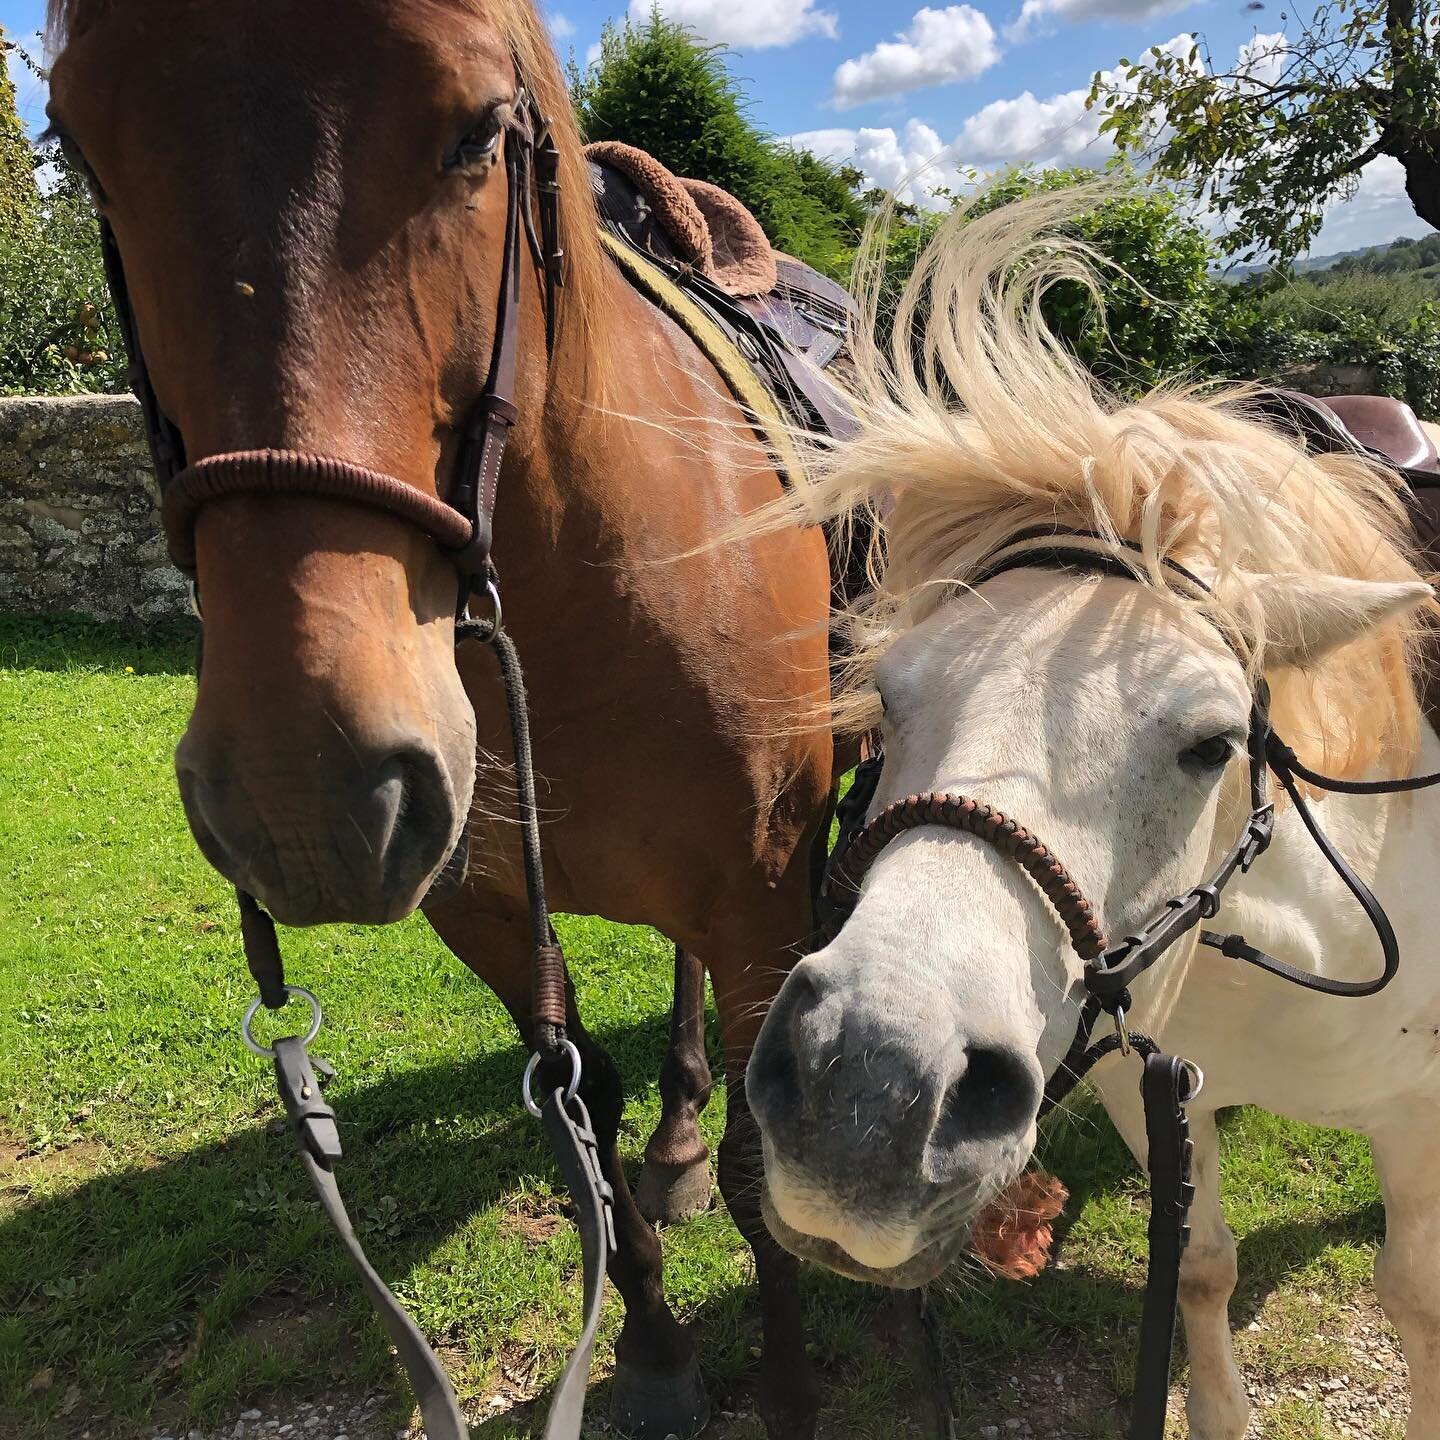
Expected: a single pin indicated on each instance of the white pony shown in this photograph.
(899, 1073)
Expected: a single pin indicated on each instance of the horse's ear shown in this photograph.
(1308, 616)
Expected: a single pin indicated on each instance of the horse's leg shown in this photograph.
(789, 1393)
(657, 1389)
(1407, 1274)
(1216, 1406)
(675, 1182)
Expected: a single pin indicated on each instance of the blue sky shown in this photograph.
(896, 86)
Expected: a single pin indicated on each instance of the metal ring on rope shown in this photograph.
(534, 1065)
(468, 627)
(296, 992)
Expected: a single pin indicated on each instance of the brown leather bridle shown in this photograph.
(462, 524)
(1012, 840)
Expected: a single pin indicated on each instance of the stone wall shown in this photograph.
(79, 528)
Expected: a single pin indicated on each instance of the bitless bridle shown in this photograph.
(1168, 1082)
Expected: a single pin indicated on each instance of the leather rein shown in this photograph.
(462, 525)
(1168, 1082)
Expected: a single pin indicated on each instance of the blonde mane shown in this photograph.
(977, 423)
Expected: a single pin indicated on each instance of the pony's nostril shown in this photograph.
(773, 1081)
(994, 1096)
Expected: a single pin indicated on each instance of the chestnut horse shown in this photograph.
(309, 209)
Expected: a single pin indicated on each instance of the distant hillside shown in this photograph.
(1388, 257)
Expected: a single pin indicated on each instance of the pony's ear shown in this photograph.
(1308, 616)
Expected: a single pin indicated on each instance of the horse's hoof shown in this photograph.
(668, 1194)
(651, 1404)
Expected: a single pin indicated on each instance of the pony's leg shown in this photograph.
(657, 1390)
(789, 1393)
(1407, 1274)
(675, 1181)
(1216, 1405)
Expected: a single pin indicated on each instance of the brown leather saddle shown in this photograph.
(791, 334)
(1379, 428)
(1376, 426)
(1386, 430)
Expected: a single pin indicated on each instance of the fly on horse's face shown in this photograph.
(899, 1073)
(308, 205)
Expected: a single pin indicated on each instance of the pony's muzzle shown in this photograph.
(880, 1106)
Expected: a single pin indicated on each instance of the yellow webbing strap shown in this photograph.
(750, 392)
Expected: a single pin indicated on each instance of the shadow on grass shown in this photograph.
(145, 1292)
(77, 642)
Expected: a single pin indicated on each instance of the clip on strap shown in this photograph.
(313, 1122)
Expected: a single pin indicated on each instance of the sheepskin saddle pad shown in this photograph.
(789, 321)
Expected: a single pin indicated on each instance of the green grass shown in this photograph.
(159, 1255)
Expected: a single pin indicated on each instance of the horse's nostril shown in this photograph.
(995, 1095)
(414, 808)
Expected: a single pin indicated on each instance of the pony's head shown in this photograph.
(899, 1073)
(308, 202)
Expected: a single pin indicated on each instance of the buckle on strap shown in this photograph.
(1258, 834)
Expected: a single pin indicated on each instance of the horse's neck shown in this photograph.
(642, 469)
(1293, 904)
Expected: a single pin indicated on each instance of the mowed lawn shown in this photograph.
(159, 1254)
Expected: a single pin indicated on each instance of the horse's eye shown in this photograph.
(477, 146)
(77, 161)
(1212, 753)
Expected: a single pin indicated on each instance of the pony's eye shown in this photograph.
(477, 146)
(1212, 753)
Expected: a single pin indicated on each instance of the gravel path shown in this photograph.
(1052, 1397)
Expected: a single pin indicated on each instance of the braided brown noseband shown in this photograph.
(290, 472)
(984, 822)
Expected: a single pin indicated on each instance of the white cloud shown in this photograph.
(1263, 58)
(1379, 210)
(1054, 131)
(1058, 130)
(593, 53)
(757, 24)
(911, 163)
(1039, 16)
(940, 47)
(562, 27)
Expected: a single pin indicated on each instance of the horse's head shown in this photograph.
(899, 1073)
(308, 203)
